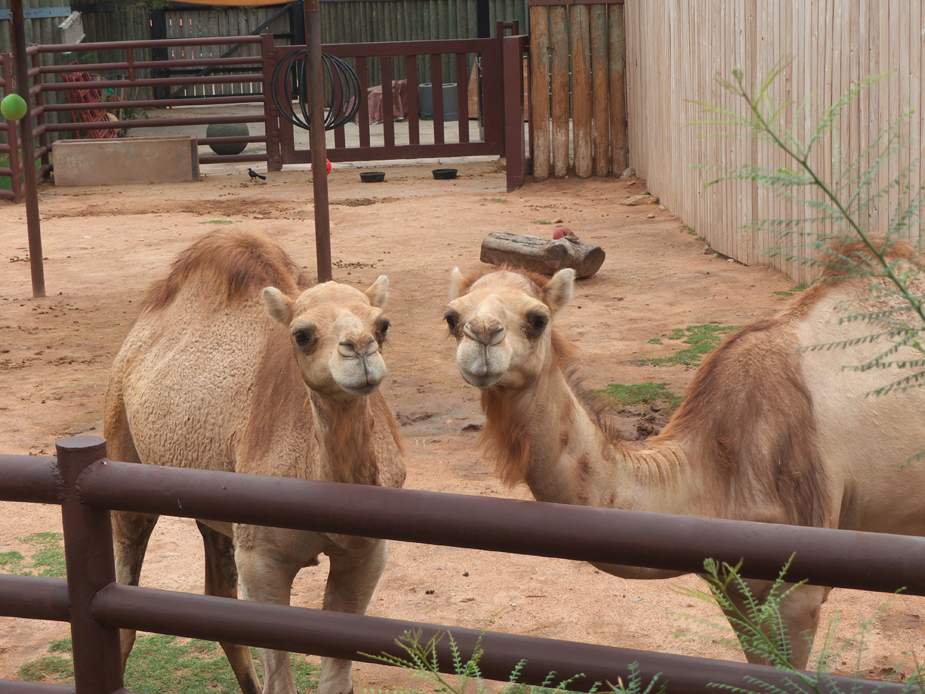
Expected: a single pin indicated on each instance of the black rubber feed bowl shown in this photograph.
(444, 174)
(372, 176)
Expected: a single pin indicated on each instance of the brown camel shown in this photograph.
(234, 365)
(767, 432)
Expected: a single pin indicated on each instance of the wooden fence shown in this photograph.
(675, 50)
(577, 63)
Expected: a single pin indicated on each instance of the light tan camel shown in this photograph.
(765, 433)
(207, 379)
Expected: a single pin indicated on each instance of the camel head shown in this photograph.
(501, 322)
(337, 333)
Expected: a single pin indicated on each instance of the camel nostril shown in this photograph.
(487, 335)
(346, 349)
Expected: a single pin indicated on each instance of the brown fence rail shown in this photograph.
(88, 486)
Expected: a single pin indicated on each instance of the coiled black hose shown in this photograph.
(344, 83)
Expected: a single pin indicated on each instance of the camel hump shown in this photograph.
(231, 265)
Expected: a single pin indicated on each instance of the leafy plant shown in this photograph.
(162, 663)
(836, 210)
(423, 662)
(701, 338)
(760, 629)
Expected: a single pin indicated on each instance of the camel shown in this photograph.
(235, 365)
(766, 432)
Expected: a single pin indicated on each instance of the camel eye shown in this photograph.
(384, 328)
(301, 337)
(451, 321)
(538, 324)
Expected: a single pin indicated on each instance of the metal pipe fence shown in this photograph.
(88, 486)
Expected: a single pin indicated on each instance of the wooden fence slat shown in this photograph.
(539, 91)
(559, 81)
(600, 102)
(581, 89)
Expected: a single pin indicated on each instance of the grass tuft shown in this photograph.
(642, 393)
(161, 663)
(701, 338)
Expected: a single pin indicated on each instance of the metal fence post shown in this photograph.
(268, 64)
(90, 568)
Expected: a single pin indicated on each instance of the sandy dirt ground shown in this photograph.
(104, 245)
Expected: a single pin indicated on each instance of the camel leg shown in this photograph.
(266, 575)
(222, 580)
(351, 582)
(130, 535)
(799, 613)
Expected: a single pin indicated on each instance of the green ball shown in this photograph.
(13, 107)
(228, 130)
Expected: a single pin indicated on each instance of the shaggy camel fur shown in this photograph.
(766, 432)
(207, 379)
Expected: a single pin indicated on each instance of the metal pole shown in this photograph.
(315, 80)
(90, 566)
(33, 223)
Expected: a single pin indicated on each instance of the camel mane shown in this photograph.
(232, 265)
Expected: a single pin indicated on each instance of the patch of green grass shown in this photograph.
(46, 560)
(11, 562)
(497, 199)
(793, 290)
(642, 393)
(49, 553)
(654, 341)
(540, 221)
(162, 663)
(701, 338)
(219, 221)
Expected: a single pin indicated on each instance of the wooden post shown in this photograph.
(581, 89)
(539, 90)
(313, 67)
(618, 133)
(558, 39)
(600, 101)
(33, 221)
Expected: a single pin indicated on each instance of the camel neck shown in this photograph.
(343, 438)
(571, 460)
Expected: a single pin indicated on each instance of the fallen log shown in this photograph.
(545, 256)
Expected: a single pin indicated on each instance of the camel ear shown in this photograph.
(456, 283)
(378, 292)
(558, 291)
(278, 305)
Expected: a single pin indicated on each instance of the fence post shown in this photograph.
(12, 133)
(90, 568)
(512, 71)
(271, 126)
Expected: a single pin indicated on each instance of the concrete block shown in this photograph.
(132, 160)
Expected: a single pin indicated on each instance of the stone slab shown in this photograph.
(134, 160)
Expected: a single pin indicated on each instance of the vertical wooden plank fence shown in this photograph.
(577, 97)
(675, 50)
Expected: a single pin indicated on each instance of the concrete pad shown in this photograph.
(136, 160)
